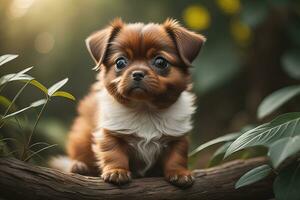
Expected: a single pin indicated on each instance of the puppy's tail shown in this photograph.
(62, 163)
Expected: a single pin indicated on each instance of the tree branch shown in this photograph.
(19, 180)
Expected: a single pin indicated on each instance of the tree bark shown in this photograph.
(19, 180)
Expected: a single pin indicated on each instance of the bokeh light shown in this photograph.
(44, 42)
(229, 6)
(197, 17)
(241, 32)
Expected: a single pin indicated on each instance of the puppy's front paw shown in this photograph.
(117, 176)
(180, 178)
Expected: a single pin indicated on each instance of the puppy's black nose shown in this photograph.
(137, 75)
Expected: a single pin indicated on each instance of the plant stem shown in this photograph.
(13, 101)
(36, 153)
(26, 147)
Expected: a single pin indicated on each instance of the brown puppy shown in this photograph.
(134, 121)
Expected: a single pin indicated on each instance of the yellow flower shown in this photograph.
(229, 6)
(241, 32)
(196, 17)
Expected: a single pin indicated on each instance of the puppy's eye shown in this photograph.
(160, 62)
(121, 63)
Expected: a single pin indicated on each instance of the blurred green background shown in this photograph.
(251, 49)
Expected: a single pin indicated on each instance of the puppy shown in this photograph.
(135, 119)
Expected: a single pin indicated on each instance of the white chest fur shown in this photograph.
(146, 123)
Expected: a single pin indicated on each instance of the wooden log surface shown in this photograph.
(19, 180)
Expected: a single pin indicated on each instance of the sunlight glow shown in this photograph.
(19, 8)
(44, 42)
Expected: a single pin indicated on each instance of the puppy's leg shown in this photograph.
(175, 164)
(80, 138)
(79, 149)
(112, 153)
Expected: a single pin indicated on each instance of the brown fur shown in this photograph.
(113, 157)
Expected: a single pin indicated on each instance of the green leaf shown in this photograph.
(286, 125)
(6, 58)
(25, 70)
(64, 94)
(4, 101)
(253, 176)
(222, 149)
(57, 86)
(282, 149)
(39, 86)
(32, 105)
(14, 77)
(38, 103)
(287, 183)
(291, 64)
(277, 99)
(225, 138)
(217, 157)
(20, 76)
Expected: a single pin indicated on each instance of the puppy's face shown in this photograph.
(145, 62)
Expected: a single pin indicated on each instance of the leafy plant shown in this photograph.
(6, 58)
(254, 175)
(286, 125)
(225, 138)
(277, 99)
(281, 136)
(287, 183)
(220, 152)
(26, 153)
(283, 149)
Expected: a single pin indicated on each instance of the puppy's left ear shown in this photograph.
(97, 44)
(188, 43)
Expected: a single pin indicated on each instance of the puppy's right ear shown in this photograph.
(97, 43)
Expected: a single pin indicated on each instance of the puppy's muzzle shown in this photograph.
(138, 75)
